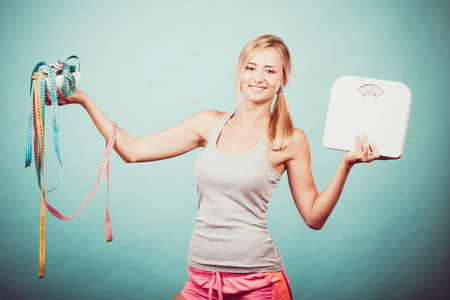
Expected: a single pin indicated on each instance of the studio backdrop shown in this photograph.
(149, 65)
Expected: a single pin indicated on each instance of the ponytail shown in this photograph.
(281, 127)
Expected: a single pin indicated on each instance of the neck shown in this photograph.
(253, 115)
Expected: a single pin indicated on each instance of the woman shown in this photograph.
(246, 152)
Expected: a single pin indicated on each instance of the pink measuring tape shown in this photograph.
(56, 213)
(104, 166)
(36, 122)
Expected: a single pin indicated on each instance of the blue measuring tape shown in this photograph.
(68, 88)
(39, 80)
(69, 85)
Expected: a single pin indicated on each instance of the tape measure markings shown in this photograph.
(105, 163)
(54, 104)
(39, 132)
(36, 122)
(109, 237)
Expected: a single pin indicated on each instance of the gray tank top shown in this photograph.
(231, 234)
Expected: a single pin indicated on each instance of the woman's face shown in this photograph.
(263, 76)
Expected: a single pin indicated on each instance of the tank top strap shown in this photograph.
(262, 145)
(218, 129)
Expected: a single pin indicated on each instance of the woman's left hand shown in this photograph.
(362, 153)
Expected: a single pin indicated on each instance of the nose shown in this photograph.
(259, 77)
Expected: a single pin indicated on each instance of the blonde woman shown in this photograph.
(232, 254)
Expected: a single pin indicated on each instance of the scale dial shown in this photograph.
(370, 90)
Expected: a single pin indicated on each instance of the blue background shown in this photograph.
(151, 64)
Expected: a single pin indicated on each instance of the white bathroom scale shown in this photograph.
(378, 108)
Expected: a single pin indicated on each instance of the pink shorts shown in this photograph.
(236, 286)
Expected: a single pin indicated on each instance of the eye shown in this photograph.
(271, 71)
(250, 68)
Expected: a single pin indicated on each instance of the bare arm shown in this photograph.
(188, 135)
(315, 207)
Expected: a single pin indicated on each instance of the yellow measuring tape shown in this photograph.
(38, 120)
(38, 124)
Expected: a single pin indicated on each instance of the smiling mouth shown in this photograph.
(257, 88)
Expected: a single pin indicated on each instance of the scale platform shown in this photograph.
(378, 108)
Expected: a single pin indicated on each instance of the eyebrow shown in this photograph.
(251, 63)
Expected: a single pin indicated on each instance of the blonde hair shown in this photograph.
(281, 127)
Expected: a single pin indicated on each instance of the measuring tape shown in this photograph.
(36, 122)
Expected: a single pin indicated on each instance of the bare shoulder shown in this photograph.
(206, 116)
(299, 145)
(206, 119)
(299, 137)
(204, 123)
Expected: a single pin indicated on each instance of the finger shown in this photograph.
(375, 152)
(358, 143)
(365, 144)
(48, 95)
(47, 98)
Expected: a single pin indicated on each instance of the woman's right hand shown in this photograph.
(78, 97)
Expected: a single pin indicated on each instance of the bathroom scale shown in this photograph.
(378, 108)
